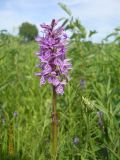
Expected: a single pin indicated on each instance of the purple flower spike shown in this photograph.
(52, 55)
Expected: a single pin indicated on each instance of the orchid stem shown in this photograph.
(54, 126)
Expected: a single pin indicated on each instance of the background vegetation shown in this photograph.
(28, 31)
(89, 111)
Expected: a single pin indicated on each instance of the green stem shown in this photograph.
(54, 126)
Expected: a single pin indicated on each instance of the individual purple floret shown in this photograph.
(76, 140)
(100, 120)
(15, 114)
(82, 83)
(52, 55)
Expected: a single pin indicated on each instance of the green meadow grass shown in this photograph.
(94, 88)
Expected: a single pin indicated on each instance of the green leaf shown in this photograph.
(65, 22)
(92, 33)
(117, 28)
(111, 35)
(65, 8)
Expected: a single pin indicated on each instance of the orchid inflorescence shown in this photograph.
(53, 63)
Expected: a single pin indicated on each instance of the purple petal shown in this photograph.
(42, 59)
(37, 39)
(53, 73)
(54, 23)
(60, 89)
(47, 69)
(42, 80)
(50, 80)
(58, 62)
(56, 82)
(53, 80)
(65, 36)
(45, 26)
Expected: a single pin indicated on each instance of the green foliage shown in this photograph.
(99, 66)
(4, 38)
(28, 31)
(73, 24)
(115, 36)
(94, 88)
(65, 8)
(92, 33)
(77, 30)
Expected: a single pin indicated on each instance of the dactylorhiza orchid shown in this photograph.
(53, 63)
(54, 68)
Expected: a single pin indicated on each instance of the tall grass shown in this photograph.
(89, 111)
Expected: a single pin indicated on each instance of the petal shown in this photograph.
(50, 80)
(54, 22)
(53, 73)
(60, 89)
(37, 39)
(45, 26)
(42, 59)
(58, 62)
(47, 69)
(56, 81)
(42, 80)
(65, 36)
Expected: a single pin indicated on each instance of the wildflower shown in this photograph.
(100, 118)
(82, 83)
(52, 55)
(76, 140)
(3, 121)
(15, 114)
